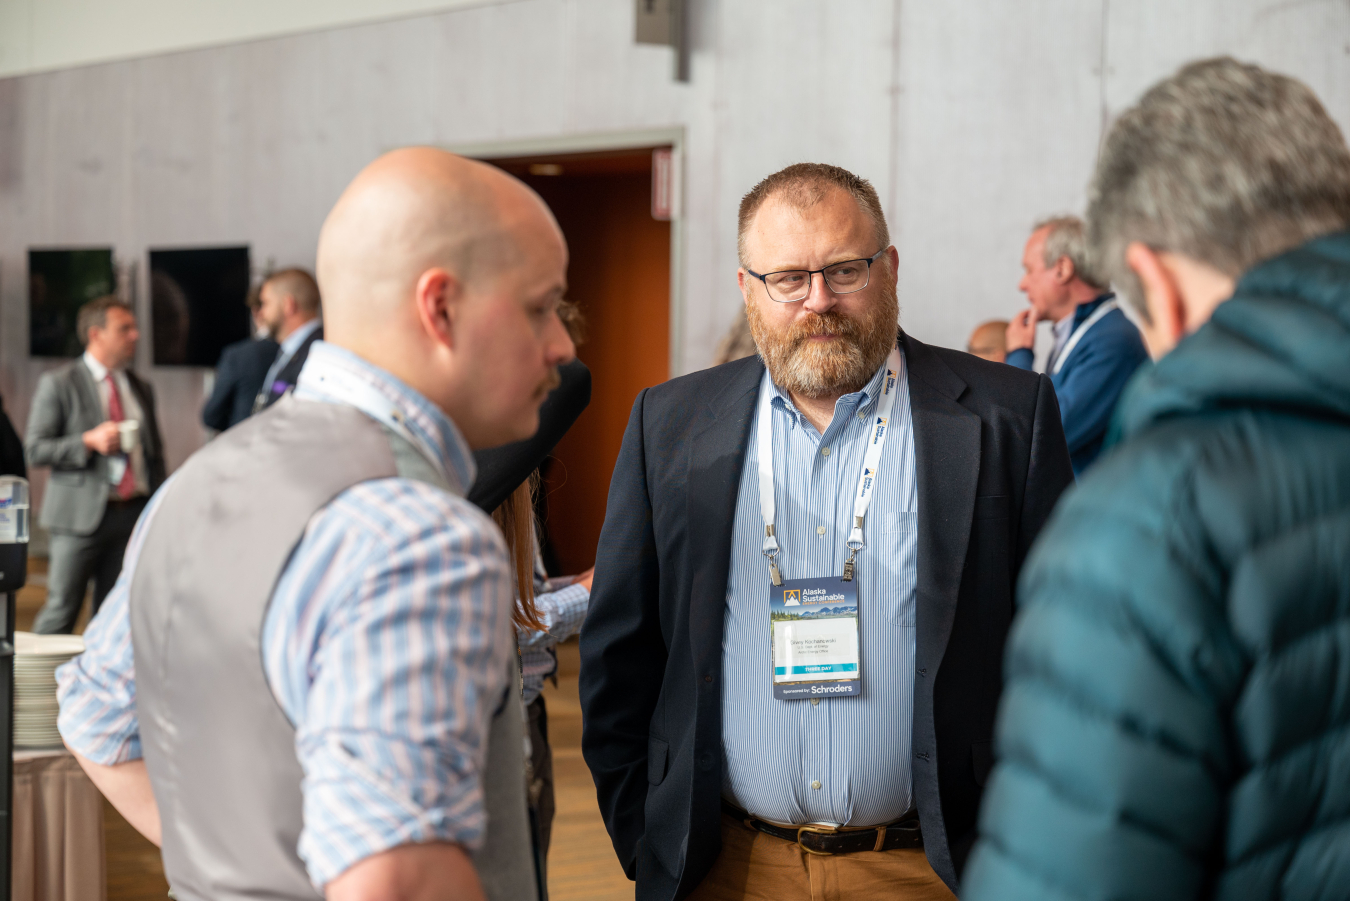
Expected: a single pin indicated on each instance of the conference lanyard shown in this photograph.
(320, 378)
(1079, 332)
(862, 498)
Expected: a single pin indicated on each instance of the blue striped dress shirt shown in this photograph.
(562, 605)
(844, 761)
(386, 644)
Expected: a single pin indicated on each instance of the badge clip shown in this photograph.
(855, 544)
(848, 564)
(771, 551)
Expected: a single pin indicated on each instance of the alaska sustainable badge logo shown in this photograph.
(792, 597)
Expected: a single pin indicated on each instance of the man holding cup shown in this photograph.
(93, 422)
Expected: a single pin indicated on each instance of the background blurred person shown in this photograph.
(560, 606)
(1096, 347)
(1176, 723)
(291, 312)
(240, 373)
(341, 716)
(737, 343)
(100, 478)
(506, 486)
(988, 341)
(12, 461)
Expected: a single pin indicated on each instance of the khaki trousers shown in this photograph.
(758, 867)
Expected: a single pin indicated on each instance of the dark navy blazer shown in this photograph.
(1092, 379)
(239, 377)
(991, 462)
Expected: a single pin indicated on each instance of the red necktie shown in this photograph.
(127, 487)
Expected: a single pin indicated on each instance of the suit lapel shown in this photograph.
(716, 457)
(149, 428)
(947, 465)
(87, 389)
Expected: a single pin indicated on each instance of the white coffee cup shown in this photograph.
(129, 431)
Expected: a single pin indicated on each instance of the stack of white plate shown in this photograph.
(36, 658)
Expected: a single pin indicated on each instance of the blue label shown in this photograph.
(820, 668)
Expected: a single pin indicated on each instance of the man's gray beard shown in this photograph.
(800, 368)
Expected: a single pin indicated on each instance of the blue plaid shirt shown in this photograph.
(386, 644)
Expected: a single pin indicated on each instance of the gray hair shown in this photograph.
(1224, 162)
(1067, 237)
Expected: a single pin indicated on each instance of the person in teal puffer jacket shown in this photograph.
(1175, 722)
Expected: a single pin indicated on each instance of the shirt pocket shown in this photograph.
(901, 545)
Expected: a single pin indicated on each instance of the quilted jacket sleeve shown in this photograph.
(1112, 751)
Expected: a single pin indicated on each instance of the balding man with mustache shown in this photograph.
(301, 684)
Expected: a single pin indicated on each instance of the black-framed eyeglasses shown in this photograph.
(792, 285)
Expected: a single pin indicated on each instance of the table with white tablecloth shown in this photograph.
(58, 830)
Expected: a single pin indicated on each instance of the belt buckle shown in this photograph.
(816, 830)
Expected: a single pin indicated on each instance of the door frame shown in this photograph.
(594, 142)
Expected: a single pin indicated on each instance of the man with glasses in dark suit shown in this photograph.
(805, 578)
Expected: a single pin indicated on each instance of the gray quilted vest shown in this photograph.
(219, 749)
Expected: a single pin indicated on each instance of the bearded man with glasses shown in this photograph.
(793, 655)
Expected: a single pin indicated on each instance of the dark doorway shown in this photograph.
(619, 276)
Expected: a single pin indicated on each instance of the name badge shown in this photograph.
(814, 628)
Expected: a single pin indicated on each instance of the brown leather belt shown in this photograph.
(816, 839)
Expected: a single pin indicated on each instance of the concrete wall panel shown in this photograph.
(972, 119)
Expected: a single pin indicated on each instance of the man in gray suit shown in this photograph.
(103, 468)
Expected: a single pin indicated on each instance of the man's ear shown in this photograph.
(1162, 298)
(743, 283)
(1064, 270)
(438, 298)
(289, 307)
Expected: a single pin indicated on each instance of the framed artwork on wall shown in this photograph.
(59, 283)
(198, 303)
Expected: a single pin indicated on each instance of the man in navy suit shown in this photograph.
(291, 311)
(239, 374)
(1096, 348)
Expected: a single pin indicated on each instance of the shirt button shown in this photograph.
(815, 702)
(824, 451)
(816, 785)
(820, 530)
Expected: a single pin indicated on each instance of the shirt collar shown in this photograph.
(297, 337)
(96, 369)
(424, 419)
